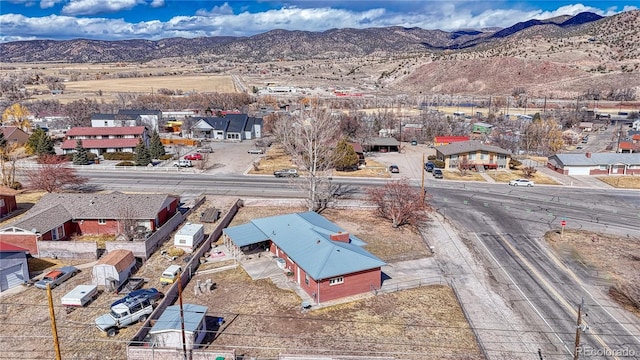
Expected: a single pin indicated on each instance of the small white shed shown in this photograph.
(113, 269)
(189, 237)
(167, 330)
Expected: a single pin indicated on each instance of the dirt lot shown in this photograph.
(615, 260)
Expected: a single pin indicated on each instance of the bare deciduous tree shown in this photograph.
(309, 139)
(53, 175)
(399, 202)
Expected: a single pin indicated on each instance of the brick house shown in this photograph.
(57, 217)
(324, 260)
(100, 140)
(14, 135)
(595, 163)
(475, 153)
(7, 201)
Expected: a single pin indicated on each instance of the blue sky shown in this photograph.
(157, 19)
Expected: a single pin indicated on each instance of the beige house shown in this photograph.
(475, 154)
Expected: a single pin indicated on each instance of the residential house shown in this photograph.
(62, 215)
(14, 269)
(236, 127)
(111, 120)
(382, 144)
(474, 153)
(100, 140)
(14, 135)
(586, 126)
(595, 163)
(8, 202)
(482, 128)
(147, 118)
(445, 140)
(326, 261)
(176, 323)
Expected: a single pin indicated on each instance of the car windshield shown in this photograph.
(117, 315)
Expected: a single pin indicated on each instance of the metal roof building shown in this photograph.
(316, 251)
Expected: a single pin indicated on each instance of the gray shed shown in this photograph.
(14, 270)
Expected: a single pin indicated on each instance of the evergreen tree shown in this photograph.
(34, 140)
(142, 158)
(45, 145)
(344, 156)
(156, 149)
(80, 157)
(3, 141)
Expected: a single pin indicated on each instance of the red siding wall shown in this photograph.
(598, 172)
(25, 241)
(353, 284)
(9, 204)
(91, 227)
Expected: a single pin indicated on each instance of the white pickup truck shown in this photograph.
(125, 313)
(80, 296)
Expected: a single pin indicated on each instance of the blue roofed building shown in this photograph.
(326, 261)
(167, 330)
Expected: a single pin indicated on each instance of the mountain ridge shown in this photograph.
(275, 44)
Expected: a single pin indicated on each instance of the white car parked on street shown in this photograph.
(521, 182)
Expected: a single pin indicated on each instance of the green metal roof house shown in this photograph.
(326, 261)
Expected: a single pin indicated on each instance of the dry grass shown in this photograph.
(613, 259)
(506, 176)
(469, 176)
(623, 182)
(276, 158)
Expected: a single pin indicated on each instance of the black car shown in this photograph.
(394, 169)
(437, 173)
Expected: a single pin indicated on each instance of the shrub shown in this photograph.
(174, 251)
(166, 157)
(431, 157)
(514, 163)
(16, 185)
(125, 163)
(69, 157)
(119, 156)
(438, 163)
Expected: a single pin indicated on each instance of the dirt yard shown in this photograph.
(615, 260)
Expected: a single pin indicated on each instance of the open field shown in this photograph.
(614, 260)
(623, 182)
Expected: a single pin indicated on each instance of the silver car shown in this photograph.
(521, 182)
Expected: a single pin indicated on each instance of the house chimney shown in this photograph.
(340, 236)
(588, 154)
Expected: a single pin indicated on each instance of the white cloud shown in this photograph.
(221, 20)
(45, 4)
(91, 7)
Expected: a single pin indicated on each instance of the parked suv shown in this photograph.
(437, 173)
(183, 163)
(124, 314)
(429, 166)
(286, 173)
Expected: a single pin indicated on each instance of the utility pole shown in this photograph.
(184, 340)
(576, 355)
(422, 186)
(54, 330)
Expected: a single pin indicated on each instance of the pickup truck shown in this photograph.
(80, 296)
(57, 277)
(286, 173)
(125, 313)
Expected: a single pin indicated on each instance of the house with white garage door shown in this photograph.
(595, 163)
(14, 270)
